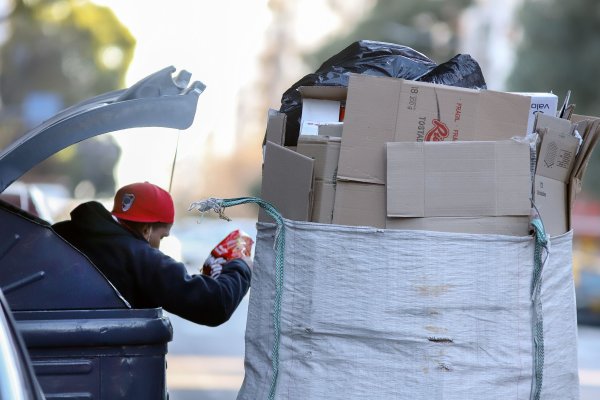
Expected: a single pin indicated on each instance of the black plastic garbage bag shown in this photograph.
(378, 59)
(461, 70)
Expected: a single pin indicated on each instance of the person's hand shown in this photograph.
(213, 266)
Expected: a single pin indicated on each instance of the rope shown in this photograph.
(541, 248)
(219, 206)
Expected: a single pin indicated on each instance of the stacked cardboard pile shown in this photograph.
(413, 155)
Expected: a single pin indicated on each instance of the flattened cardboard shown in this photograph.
(438, 179)
(325, 151)
(383, 109)
(557, 155)
(287, 183)
(556, 160)
(323, 200)
(276, 127)
(550, 198)
(359, 204)
(512, 226)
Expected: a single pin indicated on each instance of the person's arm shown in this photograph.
(198, 298)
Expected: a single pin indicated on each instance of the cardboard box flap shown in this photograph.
(550, 198)
(548, 123)
(323, 92)
(590, 139)
(276, 127)
(359, 204)
(325, 151)
(502, 115)
(370, 106)
(441, 179)
(287, 183)
(324, 198)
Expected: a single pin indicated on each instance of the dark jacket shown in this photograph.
(146, 277)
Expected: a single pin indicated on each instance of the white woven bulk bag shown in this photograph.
(382, 314)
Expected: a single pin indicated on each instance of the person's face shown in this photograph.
(157, 233)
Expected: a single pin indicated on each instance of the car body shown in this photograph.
(83, 339)
(16, 373)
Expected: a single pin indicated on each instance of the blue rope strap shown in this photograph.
(218, 206)
(541, 247)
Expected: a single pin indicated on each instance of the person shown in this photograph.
(124, 246)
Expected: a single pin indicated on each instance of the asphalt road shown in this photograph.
(206, 363)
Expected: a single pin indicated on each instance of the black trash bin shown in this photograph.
(84, 340)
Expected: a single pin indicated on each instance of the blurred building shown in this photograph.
(490, 34)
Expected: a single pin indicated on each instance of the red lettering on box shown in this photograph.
(438, 133)
(457, 112)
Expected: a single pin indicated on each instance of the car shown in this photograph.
(83, 339)
(16, 372)
(29, 197)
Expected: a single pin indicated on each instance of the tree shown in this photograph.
(428, 26)
(60, 52)
(558, 52)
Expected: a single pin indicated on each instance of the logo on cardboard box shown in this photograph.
(439, 130)
(438, 133)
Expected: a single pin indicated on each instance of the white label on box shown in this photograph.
(541, 103)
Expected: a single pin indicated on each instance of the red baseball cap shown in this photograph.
(144, 202)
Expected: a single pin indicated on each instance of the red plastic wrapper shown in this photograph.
(237, 244)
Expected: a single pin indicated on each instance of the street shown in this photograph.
(207, 363)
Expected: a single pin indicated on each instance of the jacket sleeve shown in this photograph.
(198, 298)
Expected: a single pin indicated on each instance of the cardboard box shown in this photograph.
(438, 179)
(323, 200)
(287, 183)
(359, 204)
(320, 105)
(383, 109)
(325, 150)
(508, 225)
(556, 157)
(541, 103)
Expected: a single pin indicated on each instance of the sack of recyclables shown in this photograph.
(372, 313)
